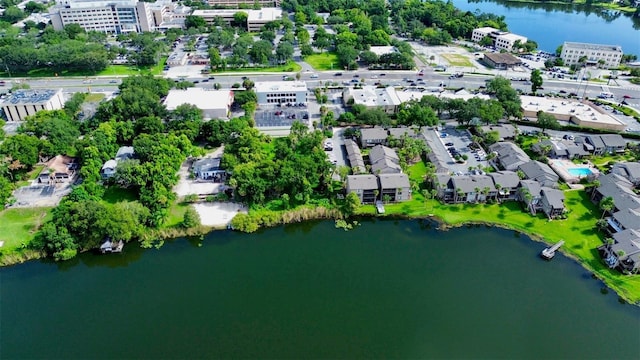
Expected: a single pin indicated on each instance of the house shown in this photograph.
(607, 143)
(373, 136)
(125, 153)
(629, 170)
(506, 184)
(355, 157)
(624, 219)
(559, 149)
(59, 169)
(620, 189)
(505, 131)
(109, 169)
(529, 193)
(384, 160)
(441, 182)
(365, 186)
(551, 202)
(209, 169)
(542, 173)
(508, 155)
(624, 253)
(473, 188)
(399, 132)
(395, 187)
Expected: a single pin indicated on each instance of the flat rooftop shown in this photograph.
(583, 112)
(511, 36)
(587, 46)
(264, 15)
(382, 50)
(373, 96)
(39, 96)
(280, 86)
(202, 98)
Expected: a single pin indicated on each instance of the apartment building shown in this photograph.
(572, 52)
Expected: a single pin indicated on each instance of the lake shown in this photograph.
(387, 289)
(552, 24)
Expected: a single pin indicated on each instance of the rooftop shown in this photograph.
(362, 182)
(279, 86)
(390, 181)
(265, 14)
(503, 58)
(29, 96)
(587, 46)
(202, 98)
(381, 50)
(372, 96)
(584, 113)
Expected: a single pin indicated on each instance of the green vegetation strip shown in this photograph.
(289, 67)
(578, 231)
(323, 61)
(18, 226)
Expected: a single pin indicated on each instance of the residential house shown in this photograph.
(59, 169)
(624, 219)
(607, 143)
(508, 155)
(551, 202)
(506, 184)
(373, 136)
(209, 169)
(542, 173)
(441, 182)
(530, 194)
(355, 157)
(125, 153)
(559, 149)
(399, 132)
(505, 131)
(109, 169)
(629, 170)
(624, 253)
(473, 188)
(620, 189)
(384, 160)
(365, 186)
(394, 187)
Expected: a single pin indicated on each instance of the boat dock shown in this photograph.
(550, 252)
(111, 246)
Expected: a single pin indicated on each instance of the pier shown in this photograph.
(550, 252)
(111, 246)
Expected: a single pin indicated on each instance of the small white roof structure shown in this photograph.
(279, 86)
(264, 14)
(202, 98)
(381, 50)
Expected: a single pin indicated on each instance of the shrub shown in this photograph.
(191, 218)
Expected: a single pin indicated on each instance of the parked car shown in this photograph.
(449, 144)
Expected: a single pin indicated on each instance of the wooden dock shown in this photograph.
(111, 246)
(550, 252)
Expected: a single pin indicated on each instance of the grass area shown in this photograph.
(94, 97)
(602, 161)
(323, 61)
(31, 175)
(457, 60)
(115, 194)
(18, 226)
(176, 215)
(288, 67)
(578, 230)
(417, 172)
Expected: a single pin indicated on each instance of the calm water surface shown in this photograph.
(384, 290)
(551, 24)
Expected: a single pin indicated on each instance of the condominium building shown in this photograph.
(281, 92)
(572, 52)
(237, 3)
(501, 39)
(23, 103)
(118, 16)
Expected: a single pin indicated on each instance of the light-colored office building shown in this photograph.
(215, 104)
(572, 52)
(501, 39)
(23, 103)
(255, 18)
(118, 16)
(579, 113)
(372, 97)
(281, 92)
(237, 3)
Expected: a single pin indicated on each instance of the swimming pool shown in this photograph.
(579, 171)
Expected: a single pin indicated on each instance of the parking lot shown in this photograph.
(440, 141)
(281, 116)
(40, 195)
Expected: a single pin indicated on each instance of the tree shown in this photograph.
(368, 57)
(351, 204)
(536, 80)
(491, 111)
(23, 148)
(261, 52)
(13, 14)
(547, 121)
(284, 52)
(191, 218)
(240, 19)
(606, 205)
(486, 41)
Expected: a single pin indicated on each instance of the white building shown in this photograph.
(373, 97)
(23, 103)
(255, 18)
(501, 39)
(118, 16)
(572, 52)
(281, 92)
(215, 104)
(237, 3)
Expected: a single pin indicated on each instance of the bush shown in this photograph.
(245, 223)
(191, 218)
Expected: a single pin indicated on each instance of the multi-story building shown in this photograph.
(238, 3)
(23, 103)
(118, 16)
(281, 92)
(255, 18)
(572, 52)
(501, 39)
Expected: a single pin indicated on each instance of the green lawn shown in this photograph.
(18, 226)
(114, 194)
(578, 231)
(94, 97)
(176, 215)
(111, 70)
(288, 67)
(323, 61)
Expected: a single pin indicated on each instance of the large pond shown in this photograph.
(552, 24)
(387, 289)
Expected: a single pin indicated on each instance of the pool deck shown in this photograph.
(561, 166)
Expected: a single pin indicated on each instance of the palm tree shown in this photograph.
(498, 187)
(594, 188)
(485, 192)
(459, 194)
(476, 190)
(606, 205)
